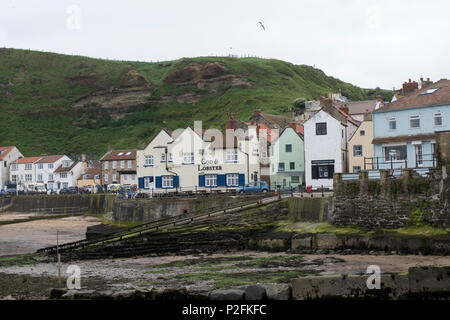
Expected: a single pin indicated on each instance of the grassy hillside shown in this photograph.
(39, 92)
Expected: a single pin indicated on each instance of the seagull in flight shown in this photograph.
(261, 25)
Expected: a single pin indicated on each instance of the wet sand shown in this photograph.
(27, 237)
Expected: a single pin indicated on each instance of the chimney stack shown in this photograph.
(327, 102)
(230, 123)
(367, 116)
(410, 86)
(256, 112)
(290, 113)
(344, 108)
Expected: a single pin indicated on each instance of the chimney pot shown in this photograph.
(428, 79)
(409, 80)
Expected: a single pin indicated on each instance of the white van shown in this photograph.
(40, 187)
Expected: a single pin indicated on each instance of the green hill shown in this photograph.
(52, 103)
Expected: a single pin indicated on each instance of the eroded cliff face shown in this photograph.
(134, 89)
(210, 79)
(210, 75)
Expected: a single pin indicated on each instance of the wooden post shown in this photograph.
(59, 259)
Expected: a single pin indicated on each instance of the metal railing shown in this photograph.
(427, 160)
(160, 223)
(375, 174)
(60, 210)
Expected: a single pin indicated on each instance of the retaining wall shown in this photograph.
(145, 210)
(419, 283)
(95, 203)
(310, 209)
(392, 202)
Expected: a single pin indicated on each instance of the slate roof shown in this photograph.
(65, 169)
(49, 159)
(417, 99)
(360, 107)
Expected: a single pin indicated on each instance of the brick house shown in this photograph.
(119, 167)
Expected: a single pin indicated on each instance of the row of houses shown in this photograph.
(303, 147)
(49, 172)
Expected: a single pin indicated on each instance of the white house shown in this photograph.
(326, 146)
(67, 173)
(187, 160)
(23, 173)
(45, 171)
(7, 156)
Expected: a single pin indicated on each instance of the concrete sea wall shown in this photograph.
(145, 210)
(322, 242)
(310, 209)
(419, 283)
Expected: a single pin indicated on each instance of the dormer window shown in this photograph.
(428, 91)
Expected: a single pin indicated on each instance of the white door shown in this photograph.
(419, 155)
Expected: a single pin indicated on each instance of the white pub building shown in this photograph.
(193, 160)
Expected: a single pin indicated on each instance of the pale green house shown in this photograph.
(287, 159)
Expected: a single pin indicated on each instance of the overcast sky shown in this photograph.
(365, 42)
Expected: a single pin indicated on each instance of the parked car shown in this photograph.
(254, 187)
(69, 190)
(40, 188)
(114, 188)
(86, 189)
(98, 189)
(11, 191)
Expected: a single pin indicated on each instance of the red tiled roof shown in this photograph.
(119, 155)
(26, 160)
(269, 134)
(417, 99)
(49, 159)
(4, 151)
(349, 118)
(91, 172)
